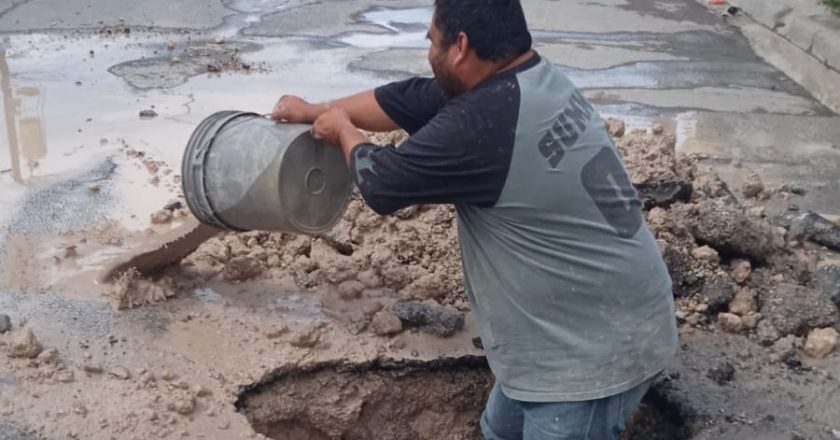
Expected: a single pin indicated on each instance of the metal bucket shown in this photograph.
(243, 172)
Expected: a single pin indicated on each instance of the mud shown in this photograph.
(177, 63)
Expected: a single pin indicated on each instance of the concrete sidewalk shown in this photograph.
(807, 24)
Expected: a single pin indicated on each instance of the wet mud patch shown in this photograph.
(403, 400)
(175, 66)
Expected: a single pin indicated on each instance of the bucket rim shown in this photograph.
(193, 183)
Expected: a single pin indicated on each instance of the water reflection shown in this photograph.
(23, 111)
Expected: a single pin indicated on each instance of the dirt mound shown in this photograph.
(723, 256)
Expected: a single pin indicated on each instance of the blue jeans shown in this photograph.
(602, 419)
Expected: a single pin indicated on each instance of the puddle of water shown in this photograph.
(67, 112)
(417, 20)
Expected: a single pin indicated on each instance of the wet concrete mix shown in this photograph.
(757, 306)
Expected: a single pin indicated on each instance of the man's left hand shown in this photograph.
(328, 126)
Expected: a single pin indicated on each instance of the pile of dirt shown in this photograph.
(413, 254)
(732, 268)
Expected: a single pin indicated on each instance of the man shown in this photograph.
(571, 295)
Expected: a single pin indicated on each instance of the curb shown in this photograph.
(810, 26)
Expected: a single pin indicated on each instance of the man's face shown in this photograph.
(440, 58)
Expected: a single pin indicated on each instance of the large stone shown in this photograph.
(796, 309)
(821, 342)
(435, 320)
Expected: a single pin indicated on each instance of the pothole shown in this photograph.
(409, 400)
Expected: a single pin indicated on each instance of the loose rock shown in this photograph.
(148, 113)
(435, 320)
(350, 289)
(182, 403)
(730, 323)
(386, 323)
(664, 193)
(744, 302)
(821, 342)
(741, 270)
(706, 254)
(242, 268)
(121, 373)
(753, 186)
(23, 344)
(718, 293)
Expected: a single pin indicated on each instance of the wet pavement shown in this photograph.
(77, 73)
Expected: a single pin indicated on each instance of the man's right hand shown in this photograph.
(294, 109)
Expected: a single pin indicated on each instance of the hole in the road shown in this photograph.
(658, 418)
(400, 401)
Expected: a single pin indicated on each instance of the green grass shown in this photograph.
(833, 4)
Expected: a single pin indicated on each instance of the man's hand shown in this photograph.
(335, 127)
(294, 109)
(328, 126)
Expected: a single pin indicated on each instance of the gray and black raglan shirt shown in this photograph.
(570, 293)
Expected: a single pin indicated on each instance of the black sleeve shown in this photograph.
(411, 103)
(459, 157)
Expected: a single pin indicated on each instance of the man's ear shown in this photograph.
(462, 44)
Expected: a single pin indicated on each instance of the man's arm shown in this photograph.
(363, 108)
(456, 158)
(408, 104)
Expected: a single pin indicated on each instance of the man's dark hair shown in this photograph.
(496, 28)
